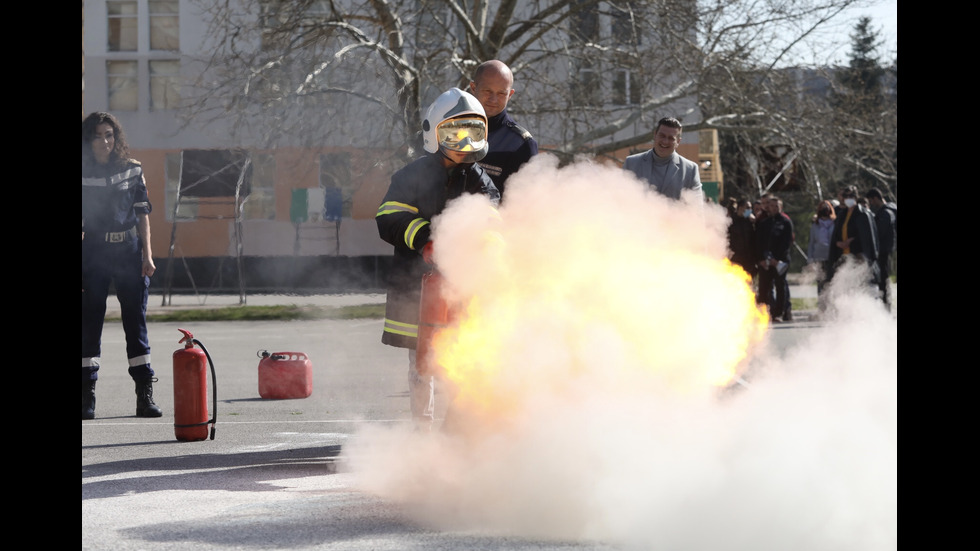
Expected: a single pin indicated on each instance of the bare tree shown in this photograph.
(593, 76)
(835, 123)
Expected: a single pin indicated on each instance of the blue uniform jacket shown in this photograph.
(112, 197)
(510, 147)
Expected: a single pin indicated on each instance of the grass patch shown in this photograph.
(803, 304)
(267, 313)
(294, 312)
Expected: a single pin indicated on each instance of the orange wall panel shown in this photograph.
(213, 233)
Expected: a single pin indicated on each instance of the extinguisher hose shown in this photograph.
(214, 389)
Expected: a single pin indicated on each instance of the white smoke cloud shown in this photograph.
(603, 302)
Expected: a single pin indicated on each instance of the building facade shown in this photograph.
(218, 194)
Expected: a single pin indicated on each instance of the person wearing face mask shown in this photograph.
(821, 233)
(741, 235)
(855, 236)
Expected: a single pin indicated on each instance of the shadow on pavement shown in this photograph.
(250, 471)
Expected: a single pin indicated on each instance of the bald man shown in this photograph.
(510, 144)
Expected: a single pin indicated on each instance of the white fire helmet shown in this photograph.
(456, 122)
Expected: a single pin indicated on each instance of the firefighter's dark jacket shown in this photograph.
(417, 193)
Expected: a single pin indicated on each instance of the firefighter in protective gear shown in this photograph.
(454, 136)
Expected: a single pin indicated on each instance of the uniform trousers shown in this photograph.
(779, 305)
(120, 264)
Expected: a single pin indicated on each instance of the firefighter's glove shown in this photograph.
(427, 254)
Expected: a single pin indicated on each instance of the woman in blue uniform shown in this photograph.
(115, 249)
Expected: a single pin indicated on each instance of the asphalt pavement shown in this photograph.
(274, 476)
(270, 476)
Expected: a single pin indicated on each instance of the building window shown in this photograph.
(188, 205)
(585, 34)
(213, 177)
(282, 22)
(623, 24)
(130, 79)
(164, 25)
(625, 88)
(261, 202)
(164, 84)
(123, 85)
(123, 25)
(585, 88)
(585, 21)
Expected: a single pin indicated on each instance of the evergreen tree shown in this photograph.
(863, 78)
(859, 105)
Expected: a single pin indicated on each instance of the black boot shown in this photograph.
(144, 398)
(88, 399)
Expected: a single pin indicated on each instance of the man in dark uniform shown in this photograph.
(776, 238)
(454, 135)
(510, 145)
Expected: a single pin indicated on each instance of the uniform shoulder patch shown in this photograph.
(520, 130)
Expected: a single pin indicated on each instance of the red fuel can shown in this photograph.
(285, 375)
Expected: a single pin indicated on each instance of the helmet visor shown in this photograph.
(462, 134)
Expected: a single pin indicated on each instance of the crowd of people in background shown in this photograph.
(850, 228)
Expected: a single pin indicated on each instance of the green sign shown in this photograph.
(299, 210)
(711, 190)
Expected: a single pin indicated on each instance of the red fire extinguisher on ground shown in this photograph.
(191, 391)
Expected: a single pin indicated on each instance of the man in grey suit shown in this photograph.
(665, 170)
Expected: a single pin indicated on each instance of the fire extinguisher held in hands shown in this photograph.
(433, 317)
(435, 314)
(191, 391)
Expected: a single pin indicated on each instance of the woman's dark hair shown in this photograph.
(120, 151)
(732, 205)
(826, 210)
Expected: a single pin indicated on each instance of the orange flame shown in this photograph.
(671, 319)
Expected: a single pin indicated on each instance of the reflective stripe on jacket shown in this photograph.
(417, 193)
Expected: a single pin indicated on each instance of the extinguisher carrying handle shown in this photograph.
(278, 355)
(214, 388)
